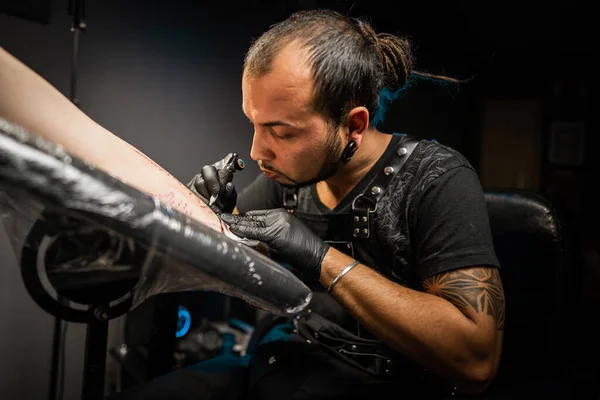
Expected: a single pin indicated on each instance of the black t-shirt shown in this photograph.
(432, 218)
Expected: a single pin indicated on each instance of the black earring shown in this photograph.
(349, 151)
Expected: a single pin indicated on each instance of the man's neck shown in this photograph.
(334, 189)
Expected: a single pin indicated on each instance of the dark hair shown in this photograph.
(351, 64)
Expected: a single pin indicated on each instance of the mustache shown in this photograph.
(266, 167)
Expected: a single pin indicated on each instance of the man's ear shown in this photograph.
(358, 123)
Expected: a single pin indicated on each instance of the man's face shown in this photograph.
(292, 143)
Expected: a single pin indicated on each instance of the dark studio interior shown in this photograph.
(165, 77)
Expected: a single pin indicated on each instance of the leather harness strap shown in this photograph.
(356, 223)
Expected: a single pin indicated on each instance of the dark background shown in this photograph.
(165, 76)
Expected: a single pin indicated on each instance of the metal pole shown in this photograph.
(77, 10)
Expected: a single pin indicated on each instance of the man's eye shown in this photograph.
(285, 136)
(281, 135)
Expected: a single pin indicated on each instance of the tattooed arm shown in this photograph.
(478, 293)
(454, 329)
(454, 325)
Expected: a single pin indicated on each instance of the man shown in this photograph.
(391, 234)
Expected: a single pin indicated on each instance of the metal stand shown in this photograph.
(77, 10)
(94, 363)
(162, 339)
(57, 371)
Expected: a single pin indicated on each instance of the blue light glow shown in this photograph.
(184, 320)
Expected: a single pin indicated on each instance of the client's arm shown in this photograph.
(30, 101)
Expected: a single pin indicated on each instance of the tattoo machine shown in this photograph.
(232, 163)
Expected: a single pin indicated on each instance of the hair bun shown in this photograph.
(397, 57)
(394, 52)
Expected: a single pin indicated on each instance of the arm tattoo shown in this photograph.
(178, 204)
(479, 288)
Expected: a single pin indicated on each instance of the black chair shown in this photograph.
(531, 247)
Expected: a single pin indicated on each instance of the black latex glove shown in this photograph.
(289, 239)
(215, 179)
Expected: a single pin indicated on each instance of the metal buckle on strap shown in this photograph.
(361, 216)
(366, 204)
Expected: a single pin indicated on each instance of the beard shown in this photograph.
(332, 161)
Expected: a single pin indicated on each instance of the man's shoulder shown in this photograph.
(430, 155)
(429, 160)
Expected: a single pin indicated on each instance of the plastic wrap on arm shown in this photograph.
(92, 239)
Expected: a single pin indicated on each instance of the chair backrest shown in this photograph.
(530, 245)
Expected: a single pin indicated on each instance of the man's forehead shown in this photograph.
(274, 91)
(269, 111)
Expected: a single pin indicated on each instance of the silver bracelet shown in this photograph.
(344, 272)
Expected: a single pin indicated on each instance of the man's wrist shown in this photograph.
(333, 264)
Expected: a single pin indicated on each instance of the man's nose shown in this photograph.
(260, 147)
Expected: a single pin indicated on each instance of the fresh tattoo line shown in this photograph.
(151, 161)
(169, 198)
(478, 288)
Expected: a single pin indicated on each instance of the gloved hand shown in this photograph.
(215, 179)
(288, 239)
